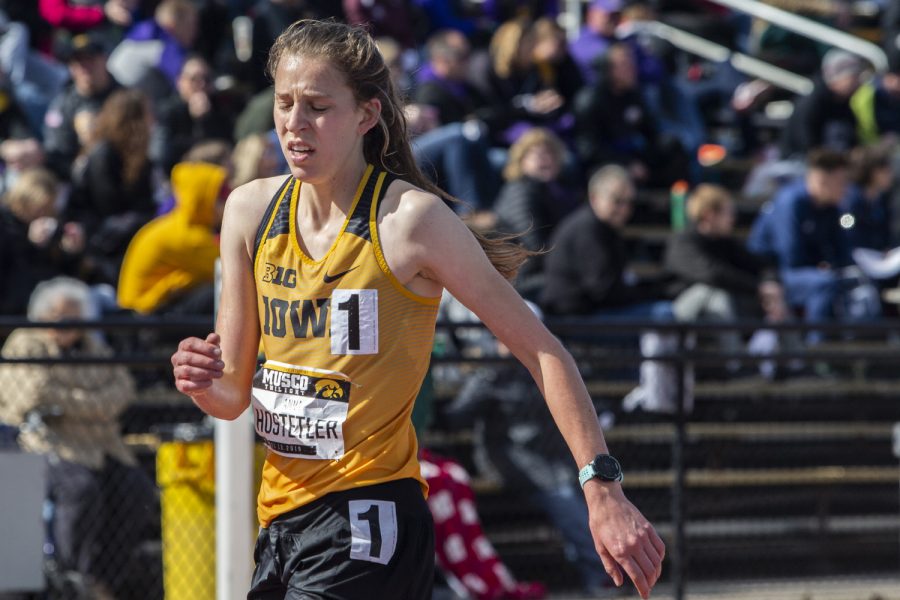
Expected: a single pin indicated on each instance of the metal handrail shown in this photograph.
(811, 29)
(694, 44)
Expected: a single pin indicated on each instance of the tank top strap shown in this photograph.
(281, 222)
(381, 190)
(358, 224)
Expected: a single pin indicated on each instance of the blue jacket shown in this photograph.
(798, 233)
(872, 218)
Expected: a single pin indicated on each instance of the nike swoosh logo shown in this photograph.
(332, 278)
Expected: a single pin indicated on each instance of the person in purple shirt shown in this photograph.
(597, 34)
(160, 44)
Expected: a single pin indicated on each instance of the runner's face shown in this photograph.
(320, 124)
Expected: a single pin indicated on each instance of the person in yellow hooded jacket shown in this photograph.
(169, 264)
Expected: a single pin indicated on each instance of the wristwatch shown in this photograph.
(604, 467)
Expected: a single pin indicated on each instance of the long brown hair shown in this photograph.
(352, 51)
(122, 123)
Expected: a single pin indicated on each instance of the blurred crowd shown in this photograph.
(124, 125)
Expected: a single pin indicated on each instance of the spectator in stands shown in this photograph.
(596, 36)
(30, 77)
(673, 102)
(442, 83)
(532, 74)
(157, 46)
(112, 187)
(69, 119)
(455, 155)
(191, 115)
(102, 500)
(18, 156)
(824, 118)
(587, 276)
(40, 32)
(268, 19)
(716, 277)
(614, 125)
(168, 267)
(533, 201)
(586, 270)
(868, 213)
(802, 231)
(34, 244)
(868, 199)
(20, 148)
(876, 104)
(257, 156)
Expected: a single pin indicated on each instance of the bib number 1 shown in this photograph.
(373, 530)
(354, 321)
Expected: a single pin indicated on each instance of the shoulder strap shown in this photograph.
(358, 224)
(282, 221)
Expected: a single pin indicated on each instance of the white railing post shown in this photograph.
(234, 501)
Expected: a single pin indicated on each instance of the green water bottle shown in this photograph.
(677, 201)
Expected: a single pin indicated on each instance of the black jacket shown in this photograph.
(456, 107)
(819, 119)
(614, 127)
(532, 209)
(584, 272)
(60, 139)
(719, 262)
(110, 210)
(23, 265)
(177, 131)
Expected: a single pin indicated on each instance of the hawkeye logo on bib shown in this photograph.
(300, 412)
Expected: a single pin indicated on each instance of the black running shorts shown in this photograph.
(375, 542)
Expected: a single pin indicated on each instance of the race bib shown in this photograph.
(300, 411)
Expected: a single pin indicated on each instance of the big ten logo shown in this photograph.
(280, 276)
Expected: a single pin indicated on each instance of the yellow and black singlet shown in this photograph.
(346, 346)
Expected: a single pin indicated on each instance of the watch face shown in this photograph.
(607, 468)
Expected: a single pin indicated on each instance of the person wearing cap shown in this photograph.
(597, 34)
(876, 103)
(825, 117)
(72, 111)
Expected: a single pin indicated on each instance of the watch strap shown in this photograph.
(586, 473)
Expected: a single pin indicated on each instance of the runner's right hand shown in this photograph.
(197, 363)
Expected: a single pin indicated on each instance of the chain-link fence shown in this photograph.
(781, 472)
